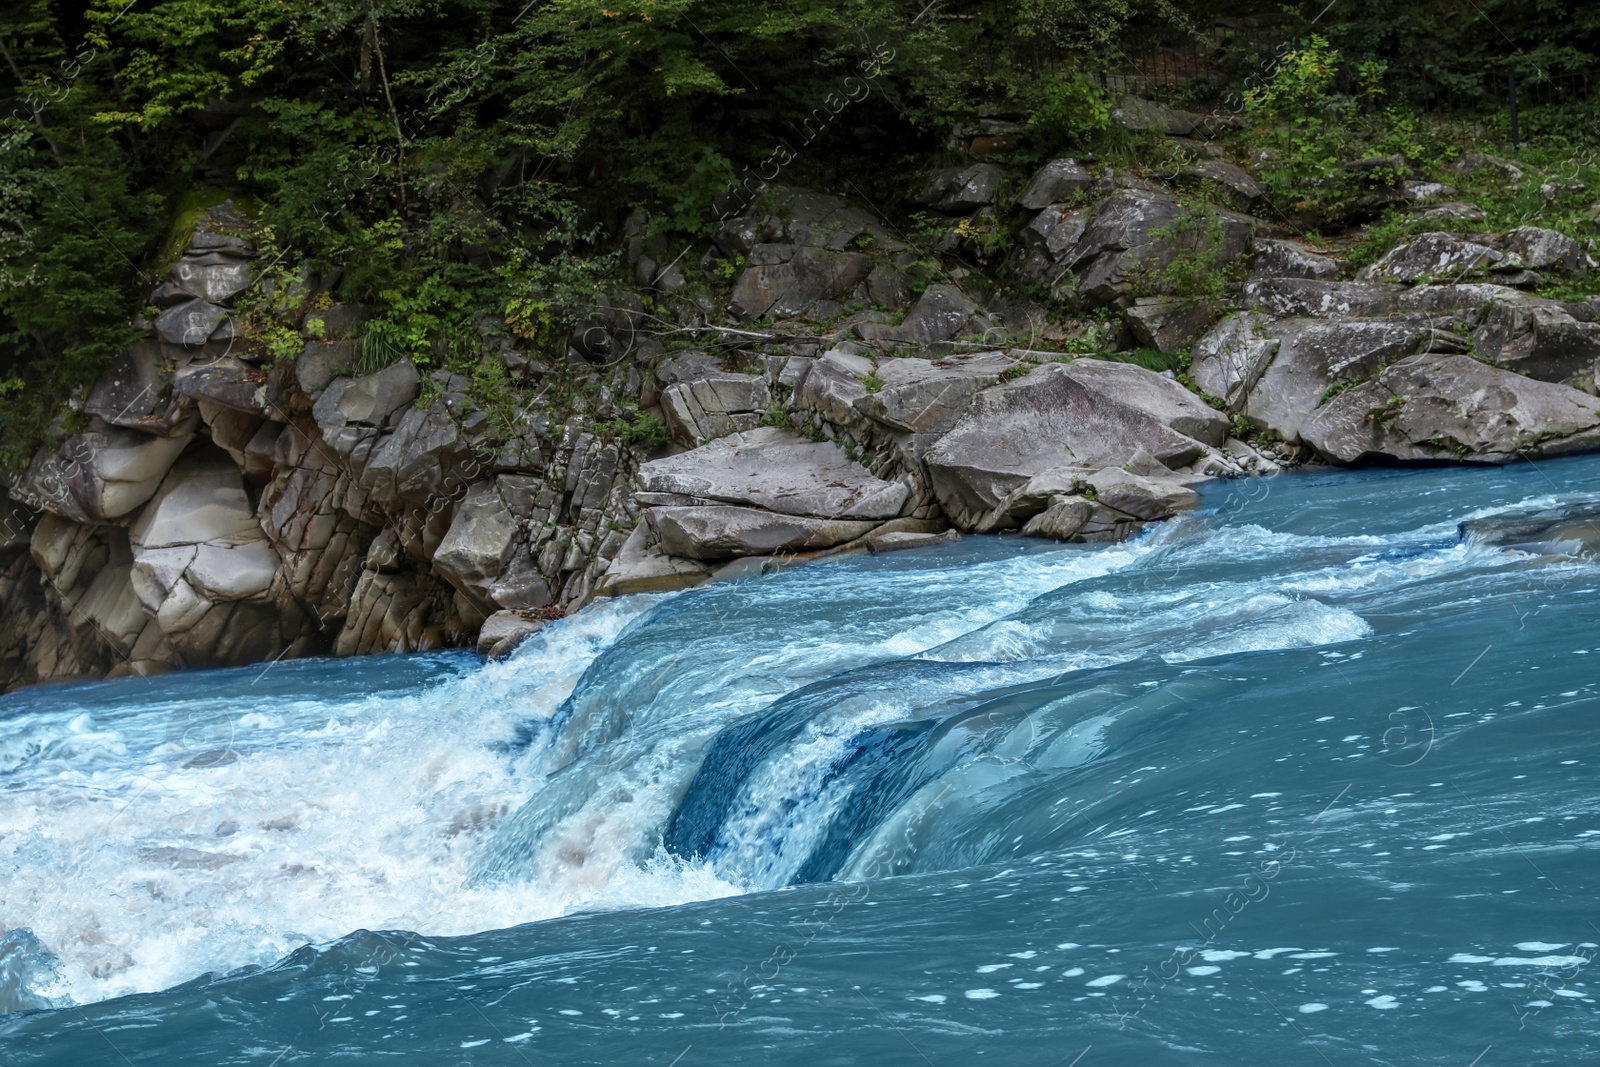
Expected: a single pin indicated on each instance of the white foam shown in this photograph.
(1105, 980)
(1383, 1003)
(980, 994)
(1311, 1008)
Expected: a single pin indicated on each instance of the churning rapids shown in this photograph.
(1308, 777)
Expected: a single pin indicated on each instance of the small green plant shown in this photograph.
(383, 344)
(872, 382)
(1012, 373)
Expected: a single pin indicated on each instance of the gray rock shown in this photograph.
(479, 543)
(1278, 388)
(201, 501)
(643, 568)
(688, 367)
(1134, 235)
(1229, 183)
(101, 475)
(723, 532)
(193, 323)
(1430, 408)
(929, 396)
(1047, 419)
(1160, 398)
(942, 312)
(713, 406)
(503, 631)
(1540, 249)
(135, 392)
(1057, 180)
(228, 382)
(819, 220)
(1431, 255)
(215, 276)
(832, 386)
(1316, 298)
(1539, 340)
(1290, 259)
(783, 281)
(368, 400)
(321, 362)
(1147, 116)
(425, 456)
(962, 189)
(1455, 211)
(1056, 230)
(1420, 192)
(1142, 497)
(899, 540)
(777, 470)
(1477, 162)
(1169, 324)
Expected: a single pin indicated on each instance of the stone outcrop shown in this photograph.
(212, 505)
(1428, 408)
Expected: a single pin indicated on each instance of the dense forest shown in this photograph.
(435, 160)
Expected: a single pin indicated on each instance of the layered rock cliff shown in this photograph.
(215, 505)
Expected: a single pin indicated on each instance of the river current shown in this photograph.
(1308, 777)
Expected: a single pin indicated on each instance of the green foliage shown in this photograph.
(872, 383)
(1068, 112)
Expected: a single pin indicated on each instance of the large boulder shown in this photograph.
(641, 567)
(1159, 397)
(503, 631)
(478, 545)
(216, 275)
(1169, 323)
(928, 396)
(1540, 339)
(135, 392)
(1057, 181)
(204, 570)
(351, 412)
(1277, 258)
(1055, 230)
(832, 385)
(1320, 297)
(1430, 256)
(1431, 408)
(721, 403)
(779, 471)
(723, 532)
(962, 189)
(1541, 249)
(1228, 183)
(783, 280)
(942, 312)
(1135, 234)
(424, 458)
(102, 475)
(193, 323)
(228, 381)
(1047, 419)
(1277, 387)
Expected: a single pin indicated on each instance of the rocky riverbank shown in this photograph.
(214, 503)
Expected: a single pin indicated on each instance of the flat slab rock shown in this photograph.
(1277, 372)
(779, 471)
(1057, 416)
(723, 532)
(1429, 408)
